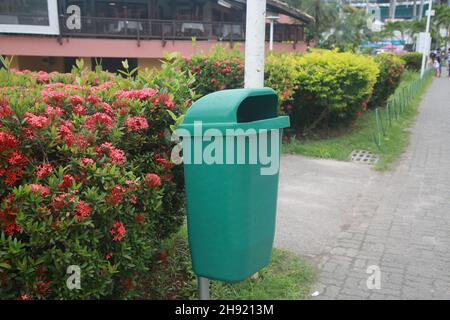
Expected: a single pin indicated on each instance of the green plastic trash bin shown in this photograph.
(231, 204)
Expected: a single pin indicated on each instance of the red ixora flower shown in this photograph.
(65, 130)
(99, 119)
(53, 113)
(27, 133)
(76, 100)
(36, 122)
(140, 218)
(142, 94)
(136, 124)
(116, 196)
(87, 162)
(25, 296)
(44, 170)
(166, 163)
(94, 99)
(12, 175)
(164, 99)
(38, 188)
(67, 181)
(152, 180)
(8, 218)
(7, 141)
(116, 155)
(118, 231)
(55, 95)
(17, 158)
(107, 108)
(5, 110)
(104, 85)
(12, 228)
(59, 201)
(83, 210)
(42, 76)
(43, 286)
(79, 110)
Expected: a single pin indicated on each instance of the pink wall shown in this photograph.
(111, 48)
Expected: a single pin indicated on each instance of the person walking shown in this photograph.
(448, 62)
(437, 66)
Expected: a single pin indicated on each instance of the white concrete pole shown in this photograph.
(425, 54)
(429, 16)
(203, 289)
(271, 34)
(254, 43)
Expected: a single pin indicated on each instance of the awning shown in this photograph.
(286, 9)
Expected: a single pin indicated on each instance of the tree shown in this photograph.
(390, 27)
(442, 20)
(410, 29)
(348, 32)
(325, 14)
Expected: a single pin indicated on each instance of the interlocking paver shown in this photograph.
(351, 217)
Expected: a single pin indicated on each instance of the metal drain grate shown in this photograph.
(362, 156)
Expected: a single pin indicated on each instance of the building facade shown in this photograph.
(381, 9)
(50, 34)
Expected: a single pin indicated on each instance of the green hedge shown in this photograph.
(282, 74)
(333, 88)
(319, 88)
(391, 69)
(413, 60)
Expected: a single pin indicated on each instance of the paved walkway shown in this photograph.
(346, 217)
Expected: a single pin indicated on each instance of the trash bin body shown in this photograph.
(231, 206)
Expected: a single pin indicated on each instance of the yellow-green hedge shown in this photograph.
(327, 85)
(332, 86)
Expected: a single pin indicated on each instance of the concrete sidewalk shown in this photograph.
(347, 217)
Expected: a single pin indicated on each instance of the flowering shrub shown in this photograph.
(85, 179)
(391, 69)
(283, 75)
(220, 69)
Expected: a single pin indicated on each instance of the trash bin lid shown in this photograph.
(236, 109)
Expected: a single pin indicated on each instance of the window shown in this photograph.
(24, 12)
(29, 16)
(122, 9)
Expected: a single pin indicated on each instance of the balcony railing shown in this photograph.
(142, 29)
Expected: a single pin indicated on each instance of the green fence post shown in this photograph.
(377, 117)
(388, 116)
